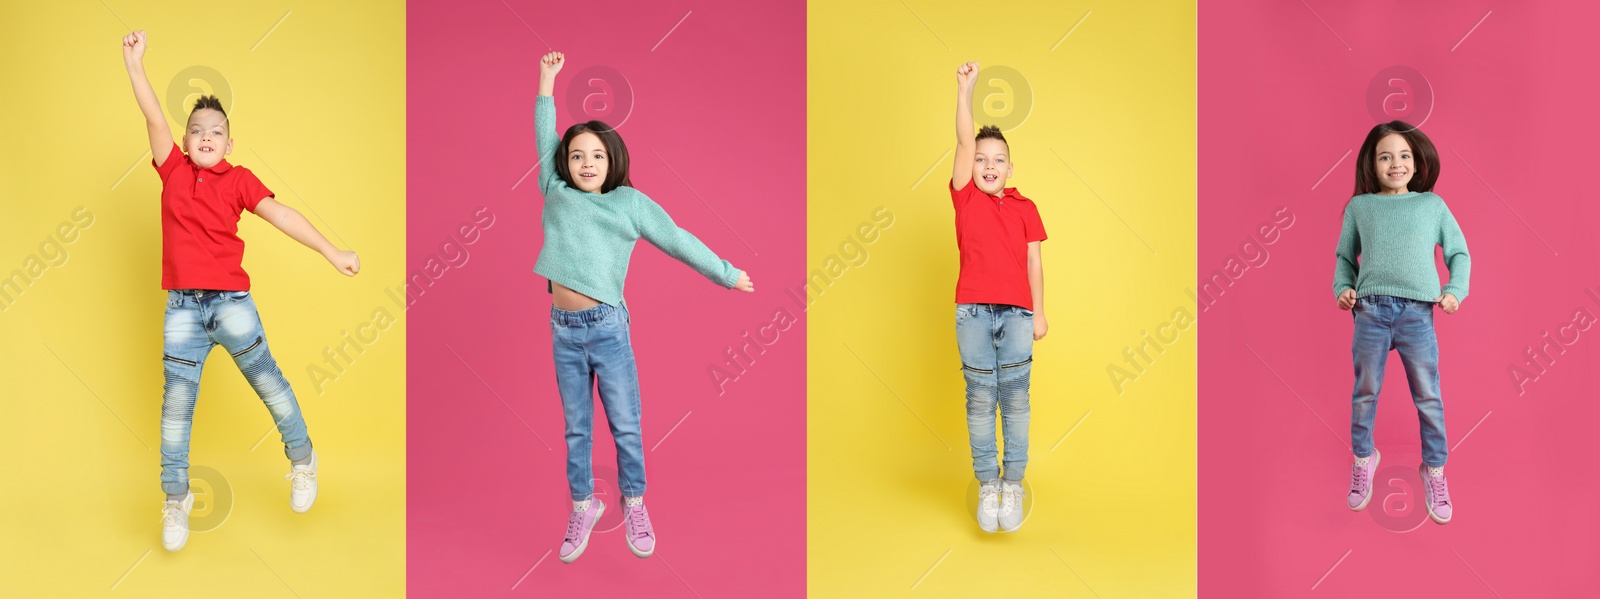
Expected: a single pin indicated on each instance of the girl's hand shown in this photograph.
(744, 283)
(967, 74)
(550, 64)
(1347, 299)
(133, 46)
(1040, 326)
(1448, 303)
(345, 261)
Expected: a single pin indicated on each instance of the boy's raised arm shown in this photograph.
(133, 47)
(966, 145)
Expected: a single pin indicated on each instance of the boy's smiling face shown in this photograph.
(1394, 164)
(991, 166)
(206, 139)
(588, 162)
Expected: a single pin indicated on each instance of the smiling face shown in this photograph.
(206, 139)
(588, 162)
(991, 166)
(1394, 163)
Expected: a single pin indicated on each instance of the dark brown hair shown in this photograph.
(992, 132)
(1423, 155)
(616, 154)
(214, 104)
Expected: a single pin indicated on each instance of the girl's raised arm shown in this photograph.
(544, 117)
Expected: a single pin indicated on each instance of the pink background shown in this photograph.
(722, 100)
(1281, 99)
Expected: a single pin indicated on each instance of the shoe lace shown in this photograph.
(574, 527)
(1358, 479)
(170, 511)
(1012, 497)
(300, 478)
(1438, 491)
(640, 521)
(988, 498)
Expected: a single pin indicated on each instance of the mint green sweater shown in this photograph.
(1394, 237)
(589, 237)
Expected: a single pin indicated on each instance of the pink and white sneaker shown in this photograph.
(1437, 496)
(641, 535)
(1361, 482)
(579, 525)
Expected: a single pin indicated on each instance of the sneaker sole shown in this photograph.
(599, 510)
(1376, 457)
(1422, 471)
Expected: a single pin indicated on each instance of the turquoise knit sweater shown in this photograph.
(1394, 237)
(589, 237)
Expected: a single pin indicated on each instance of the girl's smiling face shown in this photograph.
(1394, 164)
(588, 162)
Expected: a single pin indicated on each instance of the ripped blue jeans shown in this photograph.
(996, 343)
(197, 321)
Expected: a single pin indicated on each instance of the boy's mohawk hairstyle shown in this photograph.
(992, 132)
(209, 102)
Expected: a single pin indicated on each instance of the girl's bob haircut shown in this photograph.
(616, 152)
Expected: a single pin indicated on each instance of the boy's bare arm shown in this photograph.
(1036, 285)
(295, 225)
(966, 146)
(133, 47)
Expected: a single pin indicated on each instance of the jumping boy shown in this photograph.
(999, 306)
(208, 292)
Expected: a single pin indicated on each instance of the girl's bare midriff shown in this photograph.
(567, 299)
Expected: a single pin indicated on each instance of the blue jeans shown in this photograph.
(1386, 323)
(196, 321)
(588, 345)
(996, 343)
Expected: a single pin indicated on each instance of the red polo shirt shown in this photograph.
(200, 244)
(993, 233)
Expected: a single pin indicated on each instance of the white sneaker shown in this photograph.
(175, 522)
(303, 485)
(989, 506)
(1011, 505)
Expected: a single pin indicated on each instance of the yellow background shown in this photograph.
(318, 114)
(888, 496)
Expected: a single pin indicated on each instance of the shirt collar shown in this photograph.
(1009, 192)
(220, 167)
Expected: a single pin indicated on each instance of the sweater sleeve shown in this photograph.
(1456, 259)
(1345, 265)
(656, 226)
(544, 136)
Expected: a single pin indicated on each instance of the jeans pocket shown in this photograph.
(965, 311)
